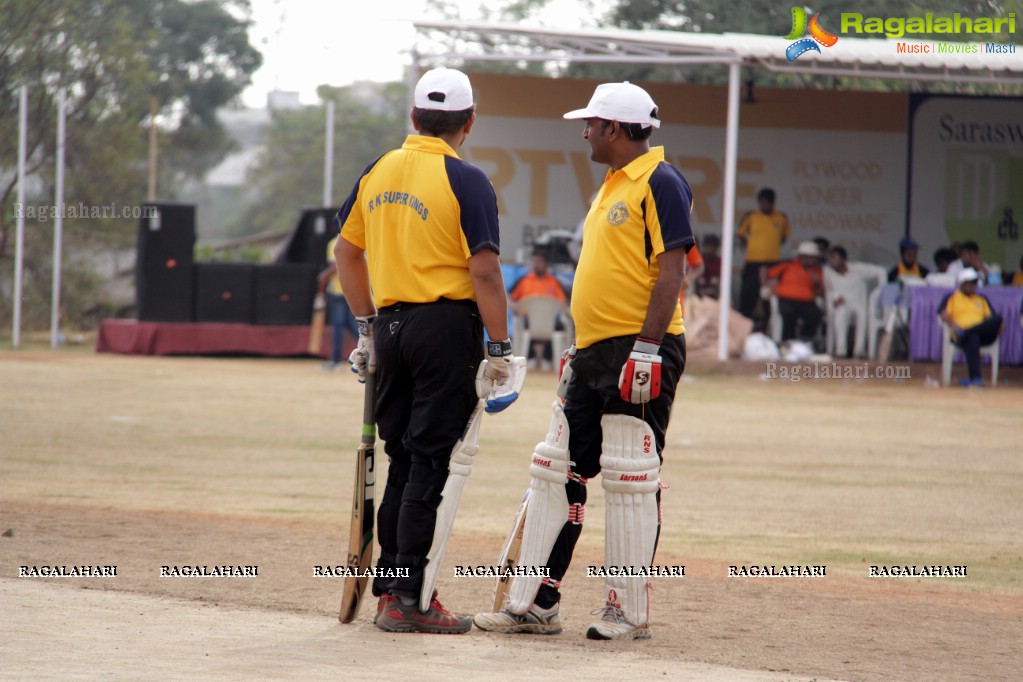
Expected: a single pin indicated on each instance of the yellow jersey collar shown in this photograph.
(641, 165)
(429, 144)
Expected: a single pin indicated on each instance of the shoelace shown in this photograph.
(611, 613)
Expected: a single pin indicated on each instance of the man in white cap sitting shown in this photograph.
(974, 324)
(798, 283)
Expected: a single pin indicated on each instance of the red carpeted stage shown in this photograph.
(133, 337)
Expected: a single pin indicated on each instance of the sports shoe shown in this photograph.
(614, 625)
(397, 617)
(536, 621)
(386, 600)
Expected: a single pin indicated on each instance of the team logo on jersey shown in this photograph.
(618, 214)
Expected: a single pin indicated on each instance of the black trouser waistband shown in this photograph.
(402, 305)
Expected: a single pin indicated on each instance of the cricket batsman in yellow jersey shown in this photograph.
(418, 261)
(619, 380)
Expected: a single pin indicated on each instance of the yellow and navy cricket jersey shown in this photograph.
(640, 212)
(420, 212)
(764, 233)
(967, 311)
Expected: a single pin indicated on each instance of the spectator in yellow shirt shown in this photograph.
(1017, 279)
(973, 322)
(340, 315)
(762, 232)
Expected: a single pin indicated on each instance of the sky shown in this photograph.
(306, 43)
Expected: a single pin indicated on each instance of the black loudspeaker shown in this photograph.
(164, 278)
(224, 292)
(308, 241)
(284, 293)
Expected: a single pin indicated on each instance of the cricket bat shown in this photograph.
(360, 537)
(317, 322)
(510, 554)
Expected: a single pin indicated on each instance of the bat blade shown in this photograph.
(317, 323)
(360, 536)
(510, 555)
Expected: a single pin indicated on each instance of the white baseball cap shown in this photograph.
(622, 102)
(808, 249)
(968, 275)
(444, 89)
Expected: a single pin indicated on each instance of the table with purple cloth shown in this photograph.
(925, 328)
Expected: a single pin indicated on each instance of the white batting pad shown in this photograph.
(459, 468)
(547, 511)
(630, 478)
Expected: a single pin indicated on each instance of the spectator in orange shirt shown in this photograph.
(538, 282)
(797, 284)
(694, 268)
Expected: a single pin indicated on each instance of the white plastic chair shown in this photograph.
(775, 324)
(949, 349)
(543, 312)
(876, 277)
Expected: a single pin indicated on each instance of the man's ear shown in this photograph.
(468, 126)
(415, 122)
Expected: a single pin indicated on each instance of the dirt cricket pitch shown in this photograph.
(141, 463)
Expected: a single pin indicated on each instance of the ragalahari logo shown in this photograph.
(799, 28)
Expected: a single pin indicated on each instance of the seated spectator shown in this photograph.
(908, 265)
(943, 257)
(797, 283)
(969, 257)
(708, 284)
(538, 282)
(823, 245)
(1017, 279)
(972, 321)
(846, 303)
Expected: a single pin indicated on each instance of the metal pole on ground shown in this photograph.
(19, 245)
(58, 223)
(728, 209)
(328, 157)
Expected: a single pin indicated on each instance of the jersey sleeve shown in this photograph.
(349, 221)
(477, 205)
(673, 201)
(776, 271)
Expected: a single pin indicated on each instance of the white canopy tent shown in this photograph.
(449, 41)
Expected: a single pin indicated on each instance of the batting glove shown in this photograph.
(565, 372)
(640, 380)
(364, 357)
(500, 377)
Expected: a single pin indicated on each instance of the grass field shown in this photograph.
(141, 461)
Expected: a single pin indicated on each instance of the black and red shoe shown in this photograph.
(385, 602)
(393, 616)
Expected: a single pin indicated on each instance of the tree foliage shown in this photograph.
(369, 119)
(113, 58)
